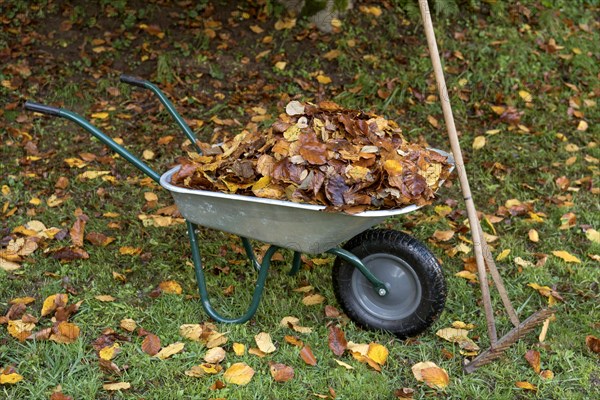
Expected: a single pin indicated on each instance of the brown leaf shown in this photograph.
(331, 312)
(337, 340)
(151, 344)
(281, 372)
(98, 239)
(533, 358)
(307, 355)
(431, 374)
(70, 254)
(54, 301)
(593, 343)
(60, 396)
(404, 393)
(77, 231)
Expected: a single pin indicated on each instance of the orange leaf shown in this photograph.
(307, 355)
(239, 374)
(77, 230)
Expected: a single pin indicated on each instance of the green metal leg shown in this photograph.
(296, 263)
(378, 285)
(258, 291)
(250, 253)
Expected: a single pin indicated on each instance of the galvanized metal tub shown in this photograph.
(302, 227)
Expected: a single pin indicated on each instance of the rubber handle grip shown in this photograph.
(132, 80)
(43, 109)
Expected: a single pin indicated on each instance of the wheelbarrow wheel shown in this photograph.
(411, 273)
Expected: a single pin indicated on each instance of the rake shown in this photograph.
(483, 256)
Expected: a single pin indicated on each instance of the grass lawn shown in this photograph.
(523, 80)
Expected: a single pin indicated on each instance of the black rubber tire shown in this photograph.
(417, 287)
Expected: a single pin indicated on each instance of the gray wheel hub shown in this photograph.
(402, 284)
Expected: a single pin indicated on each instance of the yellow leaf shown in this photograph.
(148, 155)
(211, 368)
(109, 352)
(459, 336)
(285, 24)
(54, 301)
(171, 287)
(378, 353)
(533, 235)
(280, 65)
(323, 79)
(239, 349)
(22, 300)
(479, 142)
(343, 364)
(130, 251)
(525, 385)
(170, 350)
(503, 255)
(467, 275)
(498, 109)
(117, 386)
(264, 342)
(547, 374)
(582, 126)
(19, 329)
(239, 374)
(526, 96)
(431, 374)
(566, 256)
(105, 298)
(10, 379)
(330, 55)
(128, 324)
(593, 235)
(92, 174)
(313, 299)
(100, 115)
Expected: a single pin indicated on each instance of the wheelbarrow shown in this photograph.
(383, 279)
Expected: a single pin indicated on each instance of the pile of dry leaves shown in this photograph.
(321, 154)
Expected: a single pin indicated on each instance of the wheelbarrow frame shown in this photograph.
(187, 202)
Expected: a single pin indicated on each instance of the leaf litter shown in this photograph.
(346, 160)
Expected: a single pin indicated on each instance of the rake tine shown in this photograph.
(507, 340)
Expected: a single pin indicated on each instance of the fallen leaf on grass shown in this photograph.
(151, 344)
(547, 374)
(404, 393)
(171, 287)
(526, 386)
(239, 374)
(313, 299)
(281, 372)
(292, 323)
(343, 364)
(19, 329)
(117, 386)
(307, 356)
(109, 352)
(10, 376)
(22, 300)
(458, 336)
(566, 256)
(130, 251)
(214, 355)
(54, 301)
(434, 376)
(239, 349)
(533, 358)
(264, 342)
(105, 298)
(593, 343)
(128, 324)
(378, 353)
(593, 235)
(170, 350)
(337, 340)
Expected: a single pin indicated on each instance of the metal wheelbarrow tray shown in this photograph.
(383, 279)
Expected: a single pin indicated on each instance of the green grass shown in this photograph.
(490, 53)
